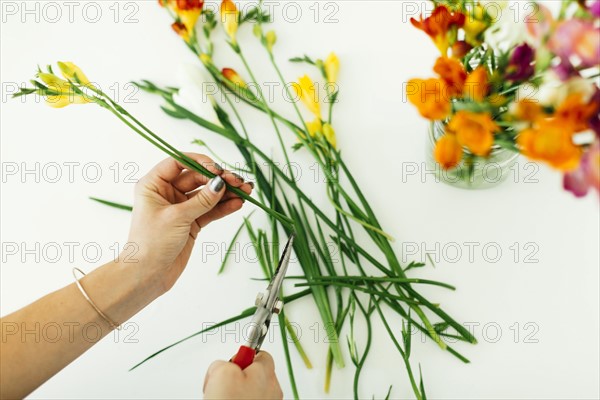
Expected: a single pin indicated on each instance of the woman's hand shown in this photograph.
(225, 380)
(172, 205)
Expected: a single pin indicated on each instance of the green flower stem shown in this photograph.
(268, 109)
(361, 280)
(292, 334)
(361, 362)
(358, 220)
(288, 360)
(361, 289)
(411, 377)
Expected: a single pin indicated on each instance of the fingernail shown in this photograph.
(251, 184)
(216, 184)
(218, 167)
(238, 177)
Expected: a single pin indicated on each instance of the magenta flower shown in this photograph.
(587, 175)
(595, 9)
(520, 66)
(565, 70)
(595, 120)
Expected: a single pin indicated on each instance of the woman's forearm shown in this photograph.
(42, 338)
(171, 206)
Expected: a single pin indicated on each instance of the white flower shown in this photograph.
(508, 28)
(197, 92)
(553, 91)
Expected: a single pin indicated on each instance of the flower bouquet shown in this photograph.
(513, 81)
(365, 280)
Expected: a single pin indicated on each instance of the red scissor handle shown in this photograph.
(244, 357)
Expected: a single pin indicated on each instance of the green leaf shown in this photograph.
(297, 146)
(421, 385)
(441, 327)
(286, 351)
(389, 392)
(407, 336)
(112, 204)
(305, 59)
(231, 244)
(172, 113)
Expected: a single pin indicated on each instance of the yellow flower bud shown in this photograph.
(73, 73)
(314, 127)
(332, 67)
(234, 77)
(329, 134)
(205, 58)
(271, 38)
(230, 18)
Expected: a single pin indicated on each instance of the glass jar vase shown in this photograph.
(472, 172)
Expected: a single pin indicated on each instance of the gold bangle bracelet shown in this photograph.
(110, 322)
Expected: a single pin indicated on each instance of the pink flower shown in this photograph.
(587, 175)
(539, 24)
(578, 38)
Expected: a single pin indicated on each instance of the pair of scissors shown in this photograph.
(267, 304)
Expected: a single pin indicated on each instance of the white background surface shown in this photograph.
(380, 135)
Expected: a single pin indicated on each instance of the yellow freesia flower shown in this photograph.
(475, 25)
(54, 82)
(329, 134)
(271, 38)
(189, 18)
(317, 128)
(229, 18)
(60, 92)
(332, 67)
(314, 127)
(306, 91)
(73, 73)
(473, 29)
(187, 13)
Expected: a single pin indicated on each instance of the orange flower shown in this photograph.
(528, 110)
(476, 86)
(474, 131)
(448, 152)
(181, 30)
(452, 73)
(430, 97)
(549, 141)
(441, 26)
(187, 12)
(574, 113)
(460, 49)
(234, 77)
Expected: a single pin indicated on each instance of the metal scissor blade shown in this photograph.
(280, 272)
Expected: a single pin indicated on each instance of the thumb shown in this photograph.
(204, 200)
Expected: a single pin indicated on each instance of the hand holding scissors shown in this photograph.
(267, 304)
